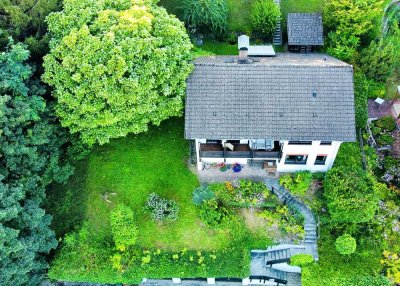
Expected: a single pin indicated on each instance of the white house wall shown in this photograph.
(312, 151)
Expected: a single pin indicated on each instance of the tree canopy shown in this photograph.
(31, 145)
(348, 21)
(206, 15)
(24, 20)
(116, 66)
(350, 195)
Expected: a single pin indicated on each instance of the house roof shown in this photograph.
(305, 29)
(271, 99)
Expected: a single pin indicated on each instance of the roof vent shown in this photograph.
(314, 114)
(229, 60)
(214, 113)
(314, 93)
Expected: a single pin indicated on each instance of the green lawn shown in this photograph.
(133, 167)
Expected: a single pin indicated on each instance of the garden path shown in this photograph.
(272, 263)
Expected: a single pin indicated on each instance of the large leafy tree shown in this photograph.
(378, 60)
(24, 20)
(116, 66)
(206, 15)
(31, 145)
(348, 21)
(350, 195)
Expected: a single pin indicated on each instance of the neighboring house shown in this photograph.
(305, 31)
(291, 111)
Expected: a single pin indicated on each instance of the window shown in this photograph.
(214, 141)
(296, 159)
(300, 142)
(320, 160)
(326, 143)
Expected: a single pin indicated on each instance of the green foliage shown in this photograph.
(301, 259)
(162, 209)
(348, 21)
(214, 213)
(350, 195)
(116, 67)
(345, 244)
(377, 60)
(386, 123)
(206, 15)
(201, 194)
(244, 193)
(349, 155)
(31, 157)
(288, 220)
(265, 15)
(24, 20)
(391, 262)
(361, 99)
(130, 266)
(363, 268)
(123, 227)
(297, 183)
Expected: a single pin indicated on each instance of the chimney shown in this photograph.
(243, 53)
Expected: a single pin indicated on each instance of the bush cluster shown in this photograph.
(297, 183)
(345, 244)
(201, 194)
(123, 227)
(206, 15)
(162, 209)
(265, 15)
(213, 212)
(301, 259)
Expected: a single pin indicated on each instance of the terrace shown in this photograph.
(217, 150)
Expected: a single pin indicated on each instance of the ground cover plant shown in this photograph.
(260, 208)
(127, 171)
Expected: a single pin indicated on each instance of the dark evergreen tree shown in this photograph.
(31, 157)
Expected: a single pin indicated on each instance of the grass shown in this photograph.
(132, 168)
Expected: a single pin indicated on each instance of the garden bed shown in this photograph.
(127, 171)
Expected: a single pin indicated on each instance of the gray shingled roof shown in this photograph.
(305, 29)
(271, 99)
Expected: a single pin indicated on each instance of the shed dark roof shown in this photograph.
(305, 29)
(271, 99)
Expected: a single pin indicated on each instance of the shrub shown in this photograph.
(206, 15)
(377, 60)
(201, 194)
(162, 209)
(350, 195)
(391, 262)
(345, 244)
(297, 183)
(301, 259)
(265, 15)
(213, 213)
(123, 227)
(386, 123)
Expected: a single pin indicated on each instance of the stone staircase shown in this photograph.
(277, 37)
(272, 264)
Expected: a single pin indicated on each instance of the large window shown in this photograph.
(320, 160)
(296, 159)
(300, 142)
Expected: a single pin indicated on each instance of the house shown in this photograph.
(290, 112)
(305, 31)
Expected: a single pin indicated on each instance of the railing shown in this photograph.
(241, 154)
